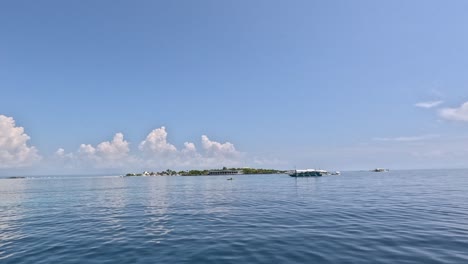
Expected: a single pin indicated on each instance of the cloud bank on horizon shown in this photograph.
(153, 152)
(156, 152)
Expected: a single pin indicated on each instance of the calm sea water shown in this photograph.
(358, 217)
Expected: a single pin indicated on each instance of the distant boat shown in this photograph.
(336, 173)
(379, 170)
(307, 173)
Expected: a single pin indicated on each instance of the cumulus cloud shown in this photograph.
(156, 143)
(86, 150)
(60, 153)
(455, 114)
(107, 154)
(216, 149)
(157, 151)
(429, 104)
(154, 152)
(117, 149)
(407, 139)
(189, 150)
(189, 147)
(14, 149)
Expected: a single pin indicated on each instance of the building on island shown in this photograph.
(224, 172)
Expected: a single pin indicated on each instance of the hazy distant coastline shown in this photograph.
(210, 172)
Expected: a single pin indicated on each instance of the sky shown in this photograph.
(116, 86)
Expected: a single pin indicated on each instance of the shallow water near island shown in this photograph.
(358, 217)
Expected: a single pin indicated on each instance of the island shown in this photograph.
(211, 172)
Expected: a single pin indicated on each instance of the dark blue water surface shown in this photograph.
(358, 217)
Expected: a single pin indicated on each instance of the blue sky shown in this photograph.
(331, 84)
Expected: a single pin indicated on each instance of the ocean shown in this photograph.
(418, 216)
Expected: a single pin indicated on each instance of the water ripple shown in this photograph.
(396, 217)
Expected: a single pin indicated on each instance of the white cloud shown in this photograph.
(188, 156)
(63, 160)
(156, 143)
(216, 149)
(14, 149)
(216, 154)
(158, 152)
(86, 150)
(455, 114)
(107, 154)
(189, 149)
(154, 153)
(407, 139)
(115, 150)
(429, 104)
(60, 153)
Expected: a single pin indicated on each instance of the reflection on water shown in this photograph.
(404, 217)
(12, 198)
(156, 221)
